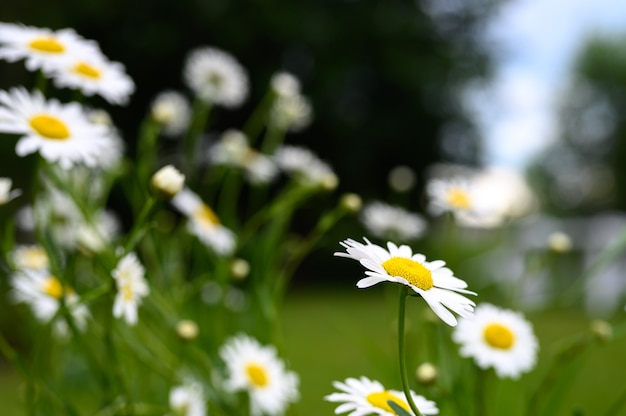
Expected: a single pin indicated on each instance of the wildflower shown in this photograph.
(94, 74)
(60, 132)
(6, 194)
(204, 223)
(304, 165)
(450, 195)
(559, 242)
(42, 48)
(32, 257)
(291, 112)
(187, 329)
(257, 370)
(351, 202)
(188, 400)
(369, 397)
(216, 77)
(285, 84)
(131, 288)
(429, 279)
(389, 221)
(426, 373)
(171, 109)
(498, 338)
(168, 181)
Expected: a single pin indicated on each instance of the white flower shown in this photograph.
(498, 338)
(29, 257)
(257, 370)
(168, 181)
(204, 223)
(429, 279)
(304, 165)
(216, 77)
(291, 112)
(43, 292)
(171, 109)
(6, 194)
(60, 132)
(188, 400)
(42, 48)
(450, 195)
(363, 396)
(131, 288)
(94, 74)
(392, 222)
(285, 84)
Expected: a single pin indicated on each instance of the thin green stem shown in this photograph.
(401, 359)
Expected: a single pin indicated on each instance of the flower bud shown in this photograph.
(187, 330)
(559, 242)
(351, 202)
(240, 269)
(426, 373)
(601, 330)
(168, 181)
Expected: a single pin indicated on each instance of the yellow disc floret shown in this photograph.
(257, 375)
(47, 44)
(459, 198)
(87, 70)
(49, 127)
(414, 272)
(499, 336)
(380, 400)
(52, 287)
(205, 215)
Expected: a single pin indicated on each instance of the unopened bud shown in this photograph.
(240, 269)
(168, 181)
(351, 202)
(426, 373)
(601, 330)
(559, 242)
(187, 329)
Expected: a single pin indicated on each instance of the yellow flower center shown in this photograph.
(47, 44)
(205, 215)
(49, 127)
(458, 198)
(257, 375)
(52, 287)
(87, 70)
(380, 400)
(415, 273)
(127, 292)
(499, 336)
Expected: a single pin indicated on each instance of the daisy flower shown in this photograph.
(42, 48)
(304, 165)
(43, 293)
(498, 338)
(450, 195)
(216, 77)
(172, 111)
(291, 112)
(61, 133)
(6, 194)
(188, 400)
(94, 74)
(204, 223)
(388, 221)
(29, 257)
(257, 370)
(429, 279)
(285, 84)
(363, 396)
(131, 288)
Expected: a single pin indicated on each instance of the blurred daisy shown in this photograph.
(131, 288)
(285, 84)
(42, 48)
(304, 165)
(43, 293)
(188, 400)
(60, 132)
(6, 194)
(291, 112)
(431, 280)
(363, 396)
(392, 222)
(216, 77)
(257, 370)
(32, 257)
(498, 338)
(172, 111)
(204, 223)
(94, 74)
(450, 195)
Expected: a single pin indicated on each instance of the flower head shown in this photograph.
(168, 181)
(171, 109)
(61, 133)
(29, 257)
(216, 77)
(131, 288)
(188, 400)
(429, 279)
(363, 396)
(257, 370)
(389, 221)
(304, 165)
(498, 338)
(291, 112)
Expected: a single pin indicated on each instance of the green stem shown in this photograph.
(141, 224)
(401, 359)
(200, 115)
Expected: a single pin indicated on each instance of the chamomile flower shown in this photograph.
(42, 48)
(6, 194)
(216, 77)
(43, 292)
(393, 222)
(257, 369)
(291, 112)
(131, 288)
(498, 338)
(61, 133)
(430, 279)
(363, 396)
(285, 84)
(204, 223)
(94, 74)
(450, 195)
(304, 165)
(29, 257)
(172, 111)
(188, 400)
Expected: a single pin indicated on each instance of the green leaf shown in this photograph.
(399, 410)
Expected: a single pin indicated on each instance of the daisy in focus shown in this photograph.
(257, 370)
(61, 133)
(6, 194)
(430, 279)
(42, 48)
(188, 400)
(131, 288)
(498, 338)
(204, 223)
(392, 222)
(363, 396)
(216, 77)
